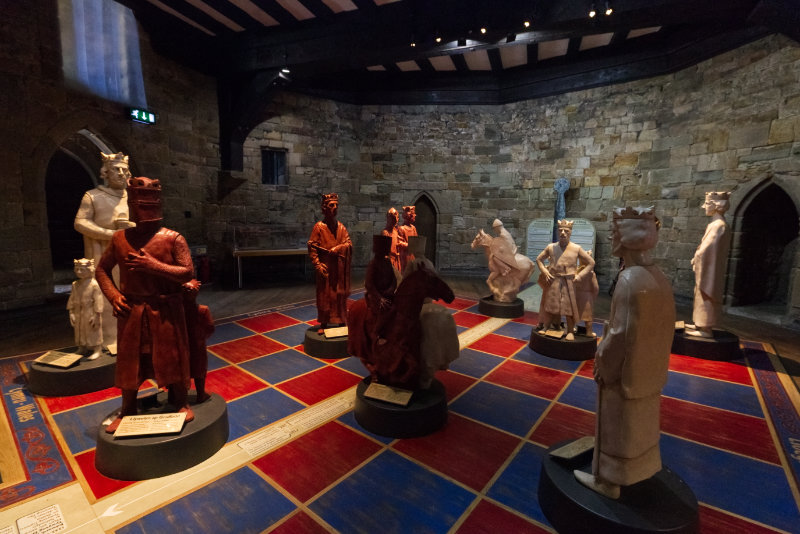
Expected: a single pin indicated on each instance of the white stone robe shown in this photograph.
(709, 265)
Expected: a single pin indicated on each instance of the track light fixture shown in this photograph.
(592, 11)
(609, 9)
(437, 36)
(413, 41)
(526, 22)
(483, 30)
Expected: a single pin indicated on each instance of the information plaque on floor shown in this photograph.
(149, 425)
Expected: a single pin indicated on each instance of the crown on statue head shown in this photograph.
(84, 262)
(327, 197)
(638, 212)
(563, 223)
(718, 195)
(119, 157)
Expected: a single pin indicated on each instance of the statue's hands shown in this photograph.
(143, 261)
(322, 269)
(548, 277)
(71, 319)
(192, 287)
(94, 320)
(385, 303)
(121, 306)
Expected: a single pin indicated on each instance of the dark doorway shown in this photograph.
(65, 183)
(426, 224)
(766, 249)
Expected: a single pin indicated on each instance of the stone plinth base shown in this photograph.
(318, 346)
(141, 458)
(503, 310)
(660, 504)
(425, 413)
(579, 349)
(85, 377)
(723, 346)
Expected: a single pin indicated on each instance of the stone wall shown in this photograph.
(40, 113)
(726, 124)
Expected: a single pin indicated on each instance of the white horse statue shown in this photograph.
(509, 270)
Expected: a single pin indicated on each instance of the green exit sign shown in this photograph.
(141, 115)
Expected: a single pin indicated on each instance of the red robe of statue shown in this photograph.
(152, 339)
(333, 289)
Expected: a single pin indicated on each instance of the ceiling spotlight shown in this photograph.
(437, 36)
(413, 41)
(592, 11)
(285, 70)
(609, 9)
(526, 23)
(483, 29)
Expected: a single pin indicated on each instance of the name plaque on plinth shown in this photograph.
(57, 358)
(149, 425)
(339, 331)
(389, 394)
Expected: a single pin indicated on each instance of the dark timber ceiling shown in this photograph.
(359, 51)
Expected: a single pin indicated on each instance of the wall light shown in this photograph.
(609, 9)
(592, 11)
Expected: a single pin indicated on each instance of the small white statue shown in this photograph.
(709, 264)
(632, 361)
(103, 211)
(560, 279)
(508, 270)
(85, 306)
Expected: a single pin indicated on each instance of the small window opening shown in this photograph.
(273, 167)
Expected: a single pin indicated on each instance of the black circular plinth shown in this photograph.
(723, 346)
(663, 503)
(140, 458)
(318, 346)
(84, 377)
(503, 310)
(579, 349)
(426, 412)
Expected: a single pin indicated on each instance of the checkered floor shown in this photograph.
(731, 430)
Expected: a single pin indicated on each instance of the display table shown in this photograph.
(84, 377)
(144, 457)
(662, 503)
(425, 413)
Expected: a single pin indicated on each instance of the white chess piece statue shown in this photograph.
(85, 306)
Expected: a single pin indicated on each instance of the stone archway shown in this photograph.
(427, 222)
(765, 254)
(71, 171)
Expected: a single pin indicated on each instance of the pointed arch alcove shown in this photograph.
(427, 223)
(764, 267)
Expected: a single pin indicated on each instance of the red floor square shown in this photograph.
(267, 322)
(563, 423)
(531, 318)
(539, 381)
(464, 450)
(468, 319)
(488, 518)
(300, 523)
(587, 369)
(59, 404)
(318, 385)
(718, 522)
(314, 461)
(246, 348)
(744, 434)
(457, 304)
(100, 485)
(454, 383)
(730, 371)
(498, 345)
(231, 383)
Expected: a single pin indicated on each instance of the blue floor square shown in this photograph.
(250, 413)
(515, 330)
(528, 355)
(475, 363)
(215, 363)
(392, 494)
(291, 336)
(303, 313)
(353, 365)
(581, 393)
(500, 407)
(240, 502)
(517, 487)
(716, 393)
(228, 332)
(280, 366)
(762, 491)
